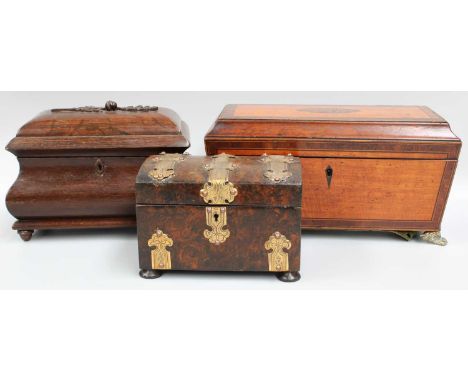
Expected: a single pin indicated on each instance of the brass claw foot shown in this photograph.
(150, 274)
(433, 238)
(289, 277)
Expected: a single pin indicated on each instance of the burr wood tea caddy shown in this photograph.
(385, 168)
(220, 213)
(78, 166)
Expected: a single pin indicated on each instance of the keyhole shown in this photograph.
(329, 174)
(99, 167)
(216, 217)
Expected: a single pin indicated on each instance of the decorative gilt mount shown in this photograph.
(433, 238)
(164, 166)
(218, 189)
(277, 167)
(160, 256)
(216, 219)
(278, 258)
(109, 106)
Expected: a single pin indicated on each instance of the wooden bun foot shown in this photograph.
(289, 277)
(150, 273)
(26, 234)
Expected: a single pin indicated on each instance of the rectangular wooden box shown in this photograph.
(78, 166)
(364, 167)
(220, 213)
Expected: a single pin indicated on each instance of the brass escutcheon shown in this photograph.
(216, 219)
(278, 259)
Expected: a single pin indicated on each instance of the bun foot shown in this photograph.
(150, 274)
(289, 277)
(26, 234)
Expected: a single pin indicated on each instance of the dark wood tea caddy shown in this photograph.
(78, 165)
(220, 213)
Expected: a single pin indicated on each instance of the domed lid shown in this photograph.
(110, 130)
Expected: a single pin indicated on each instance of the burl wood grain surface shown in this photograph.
(244, 250)
(248, 177)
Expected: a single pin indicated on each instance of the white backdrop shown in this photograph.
(330, 260)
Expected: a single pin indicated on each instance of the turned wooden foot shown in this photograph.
(25, 234)
(150, 273)
(433, 238)
(289, 277)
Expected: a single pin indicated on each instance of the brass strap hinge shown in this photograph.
(218, 189)
(164, 166)
(160, 256)
(278, 258)
(277, 167)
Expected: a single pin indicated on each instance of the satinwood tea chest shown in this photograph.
(78, 166)
(364, 167)
(219, 213)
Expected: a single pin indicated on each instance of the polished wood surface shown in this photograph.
(351, 123)
(78, 168)
(105, 123)
(393, 166)
(361, 113)
(75, 223)
(362, 189)
(142, 145)
(74, 187)
(111, 133)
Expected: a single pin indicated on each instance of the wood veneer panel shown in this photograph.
(331, 112)
(371, 189)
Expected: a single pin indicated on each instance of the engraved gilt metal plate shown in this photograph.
(164, 166)
(218, 189)
(216, 219)
(160, 256)
(278, 258)
(277, 167)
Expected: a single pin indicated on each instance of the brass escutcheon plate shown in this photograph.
(216, 219)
